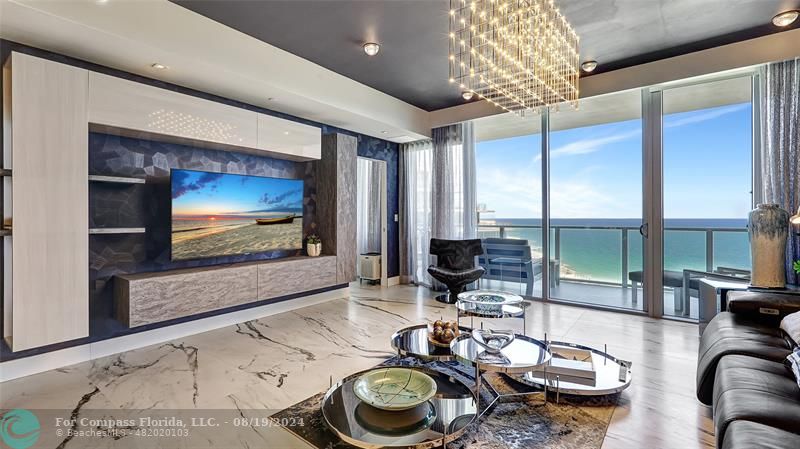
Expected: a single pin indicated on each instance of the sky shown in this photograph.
(197, 193)
(596, 171)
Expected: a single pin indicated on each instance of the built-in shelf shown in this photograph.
(116, 230)
(5, 172)
(116, 179)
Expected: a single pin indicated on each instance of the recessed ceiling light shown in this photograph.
(589, 66)
(158, 66)
(384, 132)
(286, 133)
(270, 98)
(371, 48)
(100, 2)
(785, 18)
(467, 95)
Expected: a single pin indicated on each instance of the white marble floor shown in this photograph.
(273, 362)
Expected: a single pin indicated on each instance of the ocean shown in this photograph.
(596, 254)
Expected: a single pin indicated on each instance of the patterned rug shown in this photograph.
(521, 422)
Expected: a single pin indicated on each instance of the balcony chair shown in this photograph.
(455, 265)
(510, 260)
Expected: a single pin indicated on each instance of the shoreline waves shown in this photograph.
(233, 238)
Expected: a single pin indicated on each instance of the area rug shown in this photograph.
(521, 422)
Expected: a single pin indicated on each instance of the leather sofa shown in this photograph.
(742, 376)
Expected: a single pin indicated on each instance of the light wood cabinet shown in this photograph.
(46, 279)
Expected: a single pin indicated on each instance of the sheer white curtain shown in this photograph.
(438, 197)
(368, 207)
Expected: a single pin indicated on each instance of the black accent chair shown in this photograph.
(455, 265)
(741, 373)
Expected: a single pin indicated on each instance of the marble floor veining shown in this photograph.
(276, 361)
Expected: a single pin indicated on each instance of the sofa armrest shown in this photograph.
(764, 306)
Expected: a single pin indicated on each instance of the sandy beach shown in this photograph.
(236, 238)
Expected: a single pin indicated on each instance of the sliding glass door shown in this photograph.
(508, 156)
(707, 154)
(595, 163)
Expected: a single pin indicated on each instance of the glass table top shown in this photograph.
(449, 413)
(490, 297)
(466, 308)
(612, 375)
(522, 355)
(413, 341)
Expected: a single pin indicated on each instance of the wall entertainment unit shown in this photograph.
(148, 298)
(132, 144)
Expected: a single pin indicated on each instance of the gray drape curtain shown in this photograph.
(454, 212)
(780, 144)
(416, 160)
(438, 195)
(368, 207)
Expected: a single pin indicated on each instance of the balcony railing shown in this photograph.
(626, 233)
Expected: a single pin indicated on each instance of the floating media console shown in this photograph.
(148, 298)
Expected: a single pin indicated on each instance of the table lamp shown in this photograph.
(795, 221)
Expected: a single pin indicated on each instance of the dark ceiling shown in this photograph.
(412, 62)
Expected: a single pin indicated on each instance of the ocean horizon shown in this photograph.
(596, 254)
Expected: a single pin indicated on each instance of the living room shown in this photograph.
(317, 224)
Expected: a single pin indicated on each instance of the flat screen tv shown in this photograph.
(219, 214)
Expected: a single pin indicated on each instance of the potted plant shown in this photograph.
(313, 245)
(797, 266)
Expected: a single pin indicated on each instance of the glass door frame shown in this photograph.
(653, 195)
(545, 229)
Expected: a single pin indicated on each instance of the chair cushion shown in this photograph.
(751, 435)
(730, 333)
(450, 277)
(754, 390)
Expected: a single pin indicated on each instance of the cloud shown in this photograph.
(181, 186)
(270, 200)
(705, 116)
(590, 145)
(579, 195)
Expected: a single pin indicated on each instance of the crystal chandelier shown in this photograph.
(519, 55)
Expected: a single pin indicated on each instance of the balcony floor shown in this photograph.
(594, 294)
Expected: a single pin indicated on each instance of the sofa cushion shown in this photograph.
(730, 333)
(741, 371)
(757, 390)
(751, 435)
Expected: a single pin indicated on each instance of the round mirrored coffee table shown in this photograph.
(413, 341)
(611, 375)
(522, 355)
(445, 417)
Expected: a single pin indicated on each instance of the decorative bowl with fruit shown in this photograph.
(442, 333)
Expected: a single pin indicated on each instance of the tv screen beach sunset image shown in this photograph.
(218, 214)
